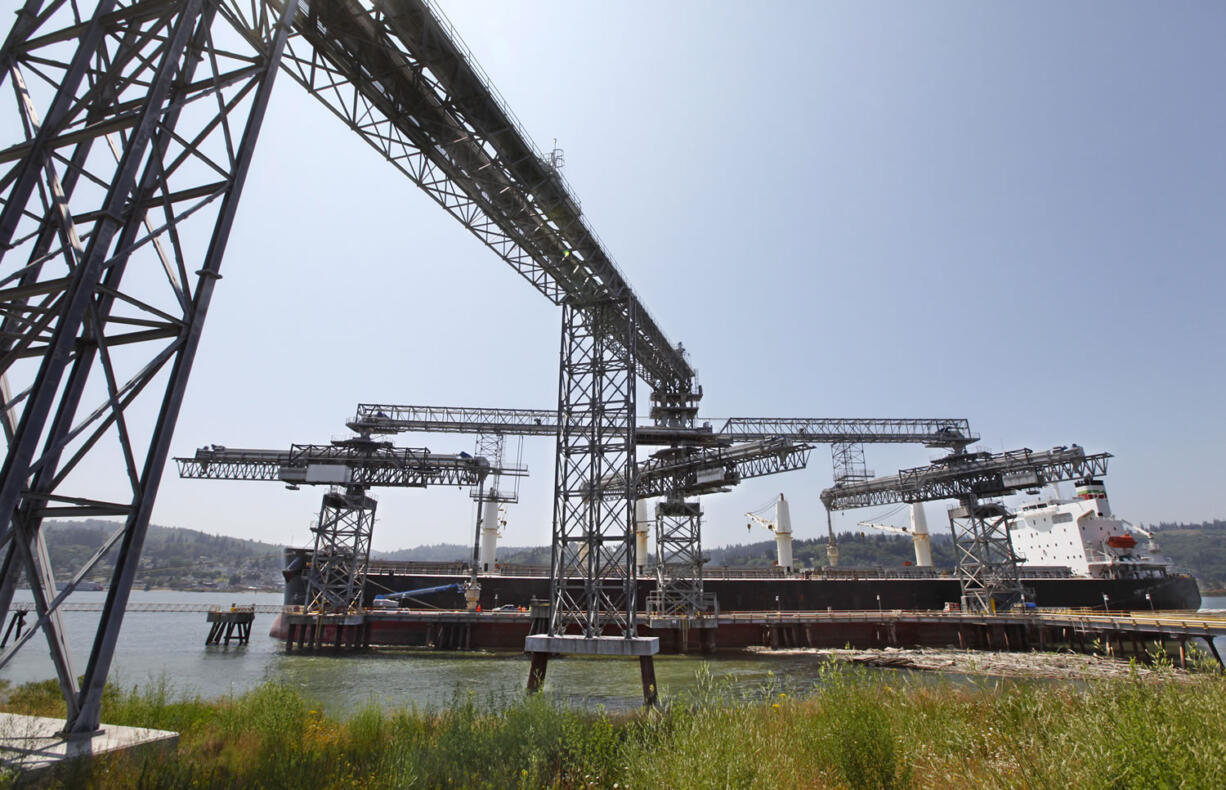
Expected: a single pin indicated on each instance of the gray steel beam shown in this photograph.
(384, 418)
(373, 464)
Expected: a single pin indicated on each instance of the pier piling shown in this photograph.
(234, 623)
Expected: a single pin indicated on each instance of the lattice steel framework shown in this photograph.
(342, 551)
(349, 462)
(124, 157)
(398, 76)
(708, 471)
(679, 583)
(492, 446)
(930, 431)
(592, 566)
(980, 475)
(347, 514)
(987, 566)
(848, 461)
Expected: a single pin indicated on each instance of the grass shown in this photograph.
(855, 730)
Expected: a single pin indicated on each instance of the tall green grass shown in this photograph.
(855, 730)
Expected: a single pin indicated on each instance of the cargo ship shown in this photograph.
(1071, 553)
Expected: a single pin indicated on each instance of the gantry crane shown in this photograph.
(678, 523)
(986, 565)
(350, 468)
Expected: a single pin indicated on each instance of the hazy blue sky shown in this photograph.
(1006, 212)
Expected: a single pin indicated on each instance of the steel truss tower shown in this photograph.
(592, 566)
(491, 446)
(127, 147)
(342, 551)
(679, 590)
(987, 566)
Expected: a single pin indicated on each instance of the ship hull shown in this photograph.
(851, 590)
(800, 594)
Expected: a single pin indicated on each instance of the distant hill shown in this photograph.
(855, 550)
(171, 557)
(1199, 549)
(455, 552)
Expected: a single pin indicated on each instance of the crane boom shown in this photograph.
(345, 463)
(710, 470)
(955, 433)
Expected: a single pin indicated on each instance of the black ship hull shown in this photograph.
(852, 589)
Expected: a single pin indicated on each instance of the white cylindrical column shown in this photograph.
(489, 535)
(641, 525)
(919, 534)
(783, 534)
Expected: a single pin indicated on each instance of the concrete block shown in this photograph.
(34, 745)
(593, 646)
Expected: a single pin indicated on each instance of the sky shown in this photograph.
(1006, 212)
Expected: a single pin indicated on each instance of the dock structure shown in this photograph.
(233, 623)
(1117, 634)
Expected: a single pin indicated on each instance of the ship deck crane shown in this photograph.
(350, 467)
(918, 532)
(781, 525)
(986, 565)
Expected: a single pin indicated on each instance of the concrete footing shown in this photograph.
(542, 646)
(573, 645)
(35, 746)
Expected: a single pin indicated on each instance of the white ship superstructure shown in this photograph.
(1080, 534)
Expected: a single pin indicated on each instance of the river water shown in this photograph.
(169, 646)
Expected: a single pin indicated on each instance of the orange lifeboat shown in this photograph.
(1121, 541)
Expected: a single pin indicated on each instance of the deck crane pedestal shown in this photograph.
(918, 532)
(781, 525)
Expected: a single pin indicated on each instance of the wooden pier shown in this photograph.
(233, 623)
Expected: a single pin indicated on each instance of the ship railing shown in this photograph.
(154, 606)
(1044, 572)
(405, 567)
(517, 569)
(906, 572)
